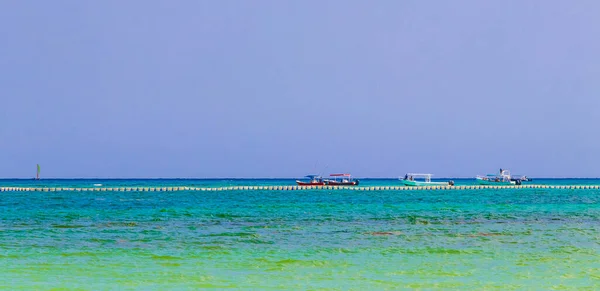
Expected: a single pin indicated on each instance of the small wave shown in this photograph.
(101, 240)
(226, 215)
(67, 226)
(574, 250)
(384, 233)
(78, 254)
(432, 250)
(309, 263)
(212, 248)
(259, 242)
(235, 234)
(484, 234)
(165, 257)
(169, 264)
(120, 224)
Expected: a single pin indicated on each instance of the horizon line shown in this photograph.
(243, 178)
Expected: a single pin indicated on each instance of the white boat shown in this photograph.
(413, 179)
(503, 178)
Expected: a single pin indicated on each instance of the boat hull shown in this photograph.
(300, 183)
(422, 183)
(492, 182)
(335, 183)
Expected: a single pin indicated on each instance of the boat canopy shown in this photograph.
(312, 176)
(340, 175)
(413, 176)
(502, 174)
(419, 175)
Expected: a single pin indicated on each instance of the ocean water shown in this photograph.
(493, 239)
(246, 182)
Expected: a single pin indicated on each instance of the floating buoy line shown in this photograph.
(289, 188)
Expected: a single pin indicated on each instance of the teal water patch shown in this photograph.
(501, 239)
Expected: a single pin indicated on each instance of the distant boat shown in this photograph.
(410, 179)
(521, 178)
(313, 180)
(37, 175)
(341, 180)
(503, 178)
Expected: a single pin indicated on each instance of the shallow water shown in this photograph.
(312, 239)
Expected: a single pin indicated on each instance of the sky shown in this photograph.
(200, 89)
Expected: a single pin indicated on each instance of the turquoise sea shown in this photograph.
(491, 239)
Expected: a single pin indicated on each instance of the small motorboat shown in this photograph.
(341, 180)
(503, 178)
(412, 179)
(520, 178)
(313, 180)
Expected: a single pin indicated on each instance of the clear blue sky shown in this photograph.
(287, 88)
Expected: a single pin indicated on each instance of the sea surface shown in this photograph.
(492, 239)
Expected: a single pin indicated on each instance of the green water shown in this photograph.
(495, 239)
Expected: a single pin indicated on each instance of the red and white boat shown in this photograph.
(314, 180)
(341, 180)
